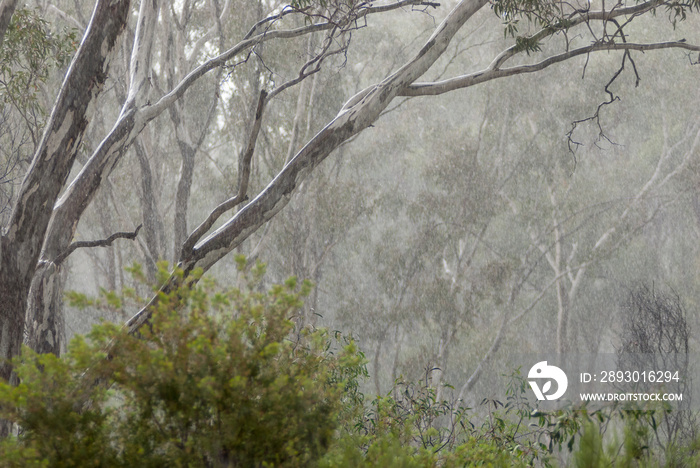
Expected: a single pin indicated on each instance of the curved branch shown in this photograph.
(151, 112)
(96, 243)
(465, 81)
(575, 19)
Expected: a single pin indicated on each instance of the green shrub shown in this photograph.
(218, 382)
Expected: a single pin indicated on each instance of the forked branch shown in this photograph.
(244, 164)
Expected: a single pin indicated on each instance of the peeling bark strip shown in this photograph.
(50, 167)
(46, 328)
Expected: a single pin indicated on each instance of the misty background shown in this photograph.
(457, 232)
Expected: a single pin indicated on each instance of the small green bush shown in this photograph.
(217, 382)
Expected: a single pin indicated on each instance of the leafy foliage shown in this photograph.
(219, 382)
(28, 53)
(410, 427)
(224, 378)
(545, 14)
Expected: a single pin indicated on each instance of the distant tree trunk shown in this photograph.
(154, 231)
(447, 335)
(303, 108)
(182, 198)
(377, 363)
(562, 317)
(185, 120)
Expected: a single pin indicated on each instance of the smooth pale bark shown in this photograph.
(21, 244)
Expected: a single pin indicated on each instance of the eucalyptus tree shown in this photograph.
(47, 210)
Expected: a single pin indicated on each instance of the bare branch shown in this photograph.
(96, 243)
(465, 81)
(611, 99)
